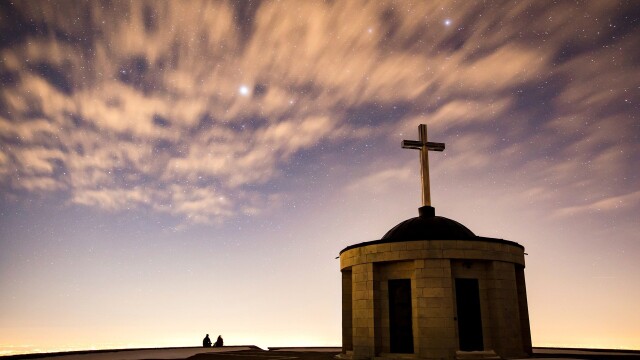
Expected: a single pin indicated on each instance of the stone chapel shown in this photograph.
(432, 289)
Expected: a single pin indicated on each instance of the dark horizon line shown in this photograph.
(635, 352)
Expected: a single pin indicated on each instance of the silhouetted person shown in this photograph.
(219, 342)
(206, 342)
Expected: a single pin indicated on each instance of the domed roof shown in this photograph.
(428, 226)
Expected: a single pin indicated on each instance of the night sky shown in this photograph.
(170, 169)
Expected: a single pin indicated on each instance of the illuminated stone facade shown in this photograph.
(431, 288)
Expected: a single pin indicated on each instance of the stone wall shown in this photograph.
(433, 249)
(436, 336)
(432, 266)
(363, 310)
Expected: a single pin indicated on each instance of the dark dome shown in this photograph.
(427, 226)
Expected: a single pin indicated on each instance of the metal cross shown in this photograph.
(424, 148)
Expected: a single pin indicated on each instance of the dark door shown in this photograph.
(400, 322)
(469, 319)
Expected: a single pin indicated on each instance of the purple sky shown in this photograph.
(170, 169)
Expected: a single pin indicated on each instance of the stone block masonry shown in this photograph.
(432, 267)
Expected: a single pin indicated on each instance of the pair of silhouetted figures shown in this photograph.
(206, 342)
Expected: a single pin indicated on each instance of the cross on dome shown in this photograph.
(424, 146)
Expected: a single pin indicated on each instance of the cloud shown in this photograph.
(112, 199)
(615, 203)
(138, 104)
(508, 66)
(468, 112)
(39, 160)
(200, 205)
(381, 181)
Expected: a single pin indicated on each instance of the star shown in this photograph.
(244, 90)
(447, 22)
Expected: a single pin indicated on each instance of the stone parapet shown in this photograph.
(476, 249)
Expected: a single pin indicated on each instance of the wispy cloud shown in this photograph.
(622, 202)
(139, 104)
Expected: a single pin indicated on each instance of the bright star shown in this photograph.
(447, 22)
(244, 90)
